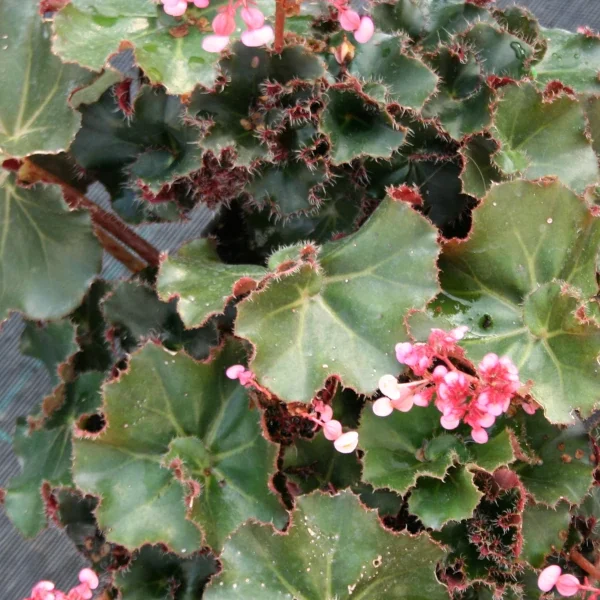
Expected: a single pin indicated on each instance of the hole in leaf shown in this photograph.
(486, 322)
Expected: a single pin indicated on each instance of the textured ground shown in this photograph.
(23, 382)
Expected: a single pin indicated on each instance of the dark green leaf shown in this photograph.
(544, 531)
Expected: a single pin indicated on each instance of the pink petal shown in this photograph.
(215, 43)
(403, 351)
(365, 32)
(258, 37)
(176, 9)
(234, 371)
(390, 387)
(349, 20)
(404, 404)
(479, 435)
(383, 407)
(347, 442)
(449, 422)
(223, 24)
(246, 377)
(253, 17)
(548, 578)
(201, 3)
(326, 413)
(332, 430)
(459, 332)
(528, 408)
(420, 400)
(567, 585)
(88, 576)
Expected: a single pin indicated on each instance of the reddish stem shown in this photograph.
(585, 564)
(279, 25)
(32, 173)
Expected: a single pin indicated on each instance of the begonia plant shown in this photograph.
(376, 374)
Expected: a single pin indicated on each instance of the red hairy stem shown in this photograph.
(118, 251)
(32, 173)
(279, 25)
(585, 564)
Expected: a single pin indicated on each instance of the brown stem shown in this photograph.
(116, 250)
(279, 25)
(32, 173)
(585, 564)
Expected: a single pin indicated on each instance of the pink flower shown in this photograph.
(253, 17)
(201, 3)
(332, 430)
(240, 372)
(215, 43)
(258, 37)
(347, 442)
(89, 578)
(567, 585)
(325, 411)
(176, 8)
(365, 30)
(404, 403)
(548, 578)
(349, 19)
(224, 23)
(417, 356)
(389, 386)
(45, 590)
(383, 407)
(42, 591)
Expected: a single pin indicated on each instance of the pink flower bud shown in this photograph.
(567, 585)
(253, 17)
(349, 19)
(43, 591)
(89, 577)
(403, 351)
(176, 9)
(548, 578)
(347, 442)
(224, 23)
(365, 31)
(326, 413)
(383, 407)
(459, 332)
(390, 387)
(201, 3)
(420, 400)
(449, 422)
(480, 435)
(215, 43)
(332, 430)
(235, 371)
(258, 37)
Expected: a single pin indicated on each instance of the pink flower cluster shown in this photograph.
(46, 590)
(362, 27)
(256, 34)
(332, 429)
(240, 372)
(565, 584)
(459, 396)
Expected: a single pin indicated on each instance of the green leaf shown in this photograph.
(541, 138)
(233, 109)
(479, 171)
(45, 454)
(315, 463)
(407, 80)
(288, 189)
(498, 52)
(36, 116)
(49, 255)
(544, 531)
(358, 128)
(462, 104)
(88, 33)
(201, 282)
(139, 315)
(402, 447)
(51, 344)
(167, 414)
(572, 58)
(432, 22)
(592, 113)
(338, 320)
(560, 466)
(322, 557)
(493, 280)
(155, 145)
(153, 575)
(93, 92)
(436, 502)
